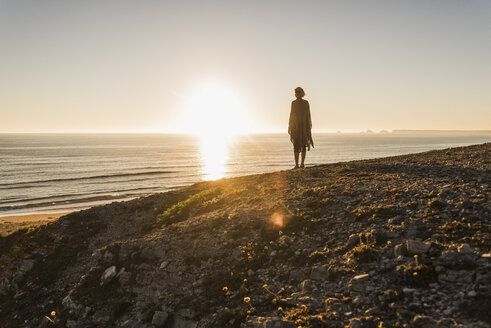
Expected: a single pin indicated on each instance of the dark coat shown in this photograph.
(300, 125)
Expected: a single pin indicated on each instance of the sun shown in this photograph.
(216, 114)
(215, 110)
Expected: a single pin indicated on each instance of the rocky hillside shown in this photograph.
(395, 242)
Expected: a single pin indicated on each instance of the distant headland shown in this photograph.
(442, 131)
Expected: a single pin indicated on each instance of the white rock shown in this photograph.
(108, 275)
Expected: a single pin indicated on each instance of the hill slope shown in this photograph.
(393, 242)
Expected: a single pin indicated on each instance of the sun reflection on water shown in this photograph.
(214, 156)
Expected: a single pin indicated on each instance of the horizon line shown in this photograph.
(367, 131)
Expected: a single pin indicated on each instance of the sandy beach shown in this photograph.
(9, 224)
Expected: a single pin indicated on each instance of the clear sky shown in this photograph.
(136, 66)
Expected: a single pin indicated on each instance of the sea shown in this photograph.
(57, 173)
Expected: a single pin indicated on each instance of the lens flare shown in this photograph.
(277, 219)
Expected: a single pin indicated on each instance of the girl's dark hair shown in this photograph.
(299, 92)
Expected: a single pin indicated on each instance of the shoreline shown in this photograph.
(12, 223)
(47, 200)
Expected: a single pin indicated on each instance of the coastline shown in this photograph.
(80, 186)
(12, 223)
(398, 241)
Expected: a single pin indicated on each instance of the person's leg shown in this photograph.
(304, 152)
(296, 158)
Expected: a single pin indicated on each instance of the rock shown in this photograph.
(353, 240)
(159, 318)
(120, 272)
(108, 275)
(383, 235)
(483, 277)
(355, 323)
(186, 313)
(465, 249)
(26, 265)
(307, 285)
(454, 260)
(417, 247)
(124, 278)
(72, 306)
(297, 275)
(131, 323)
(172, 267)
(4, 286)
(456, 276)
(333, 304)
(309, 301)
(436, 204)
(358, 283)
(108, 256)
(152, 253)
(372, 310)
(422, 321)
(400, 250)
(436, 236)
(320, 273)
(394, 220)
(182, 323)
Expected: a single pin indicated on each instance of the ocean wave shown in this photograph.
(74, 201)
(20, 187)
(119, 175)
(79, 197)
